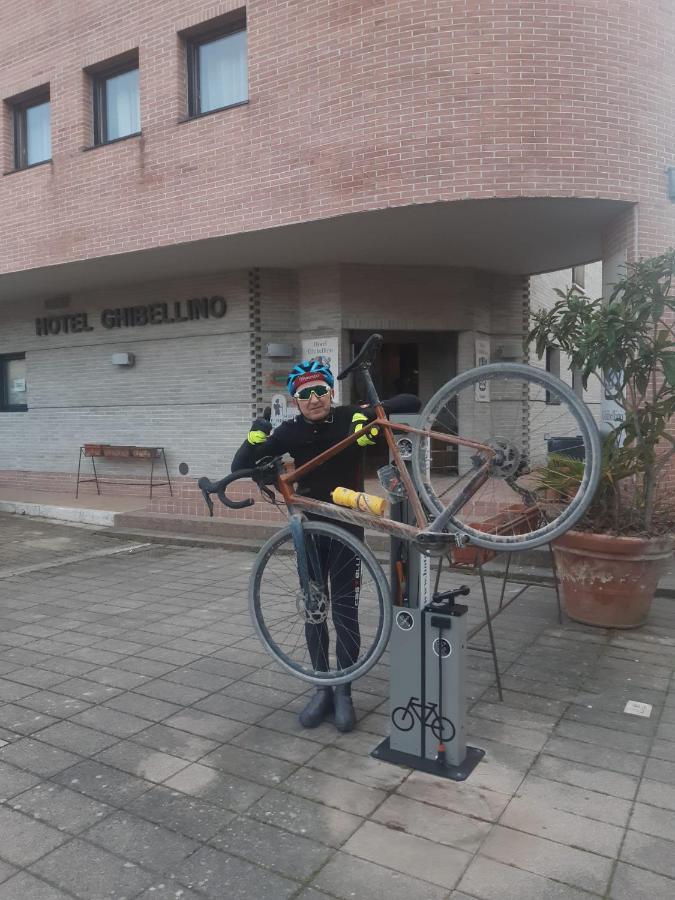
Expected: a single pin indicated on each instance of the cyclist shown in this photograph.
(319, 426)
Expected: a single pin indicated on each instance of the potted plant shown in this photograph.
(610, 565)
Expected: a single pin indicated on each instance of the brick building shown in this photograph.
(216, 188)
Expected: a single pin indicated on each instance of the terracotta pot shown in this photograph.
(609, 581)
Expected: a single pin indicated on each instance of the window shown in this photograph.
(32, 130)
(552, 366)
(217, 66)
(579, 276)
(13, 392)
(117, 104)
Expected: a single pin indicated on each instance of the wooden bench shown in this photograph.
(121, 451)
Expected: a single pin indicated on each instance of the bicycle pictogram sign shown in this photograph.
(403, 718)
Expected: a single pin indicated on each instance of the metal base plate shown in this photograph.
(430, 766)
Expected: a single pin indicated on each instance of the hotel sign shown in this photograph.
(134, 316)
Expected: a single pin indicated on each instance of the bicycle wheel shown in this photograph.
(402, 718)
(443, 729)
(341, 629)
(540, 431)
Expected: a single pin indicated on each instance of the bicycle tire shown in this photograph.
(264, 594)
(436, 730)
(506, 376)
(405, 714)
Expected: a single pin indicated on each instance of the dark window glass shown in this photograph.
(552, 366)
(117, 105)
(218, 71)
(32, 133)
(579, 276)
(13, 390)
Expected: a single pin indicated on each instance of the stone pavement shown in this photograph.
(151, 748)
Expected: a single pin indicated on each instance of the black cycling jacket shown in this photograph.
(304, 440)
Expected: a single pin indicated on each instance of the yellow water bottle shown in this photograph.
(358, 500)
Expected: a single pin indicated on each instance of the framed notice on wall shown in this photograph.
(482, 359)
(325, 349)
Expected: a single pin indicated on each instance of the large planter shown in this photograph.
(609, 581)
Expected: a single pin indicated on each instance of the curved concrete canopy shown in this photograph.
(517, 236)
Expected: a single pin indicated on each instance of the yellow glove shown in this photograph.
(260, 429)
(366, 439)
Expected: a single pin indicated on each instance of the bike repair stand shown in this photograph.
(428, 667)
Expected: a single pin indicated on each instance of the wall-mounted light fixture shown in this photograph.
(279, 350)
(123, 359)
(670, 172)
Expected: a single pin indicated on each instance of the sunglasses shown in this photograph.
(305, 393)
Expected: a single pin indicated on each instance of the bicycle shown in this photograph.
(403, 718)
(476, 460)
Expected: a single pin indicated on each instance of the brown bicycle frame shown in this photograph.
(286, 480)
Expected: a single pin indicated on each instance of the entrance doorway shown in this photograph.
(410, 362)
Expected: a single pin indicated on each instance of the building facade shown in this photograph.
(212, 190)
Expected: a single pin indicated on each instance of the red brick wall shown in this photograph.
(354, 104)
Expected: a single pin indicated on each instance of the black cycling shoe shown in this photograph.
(318, 709)
(345, 717)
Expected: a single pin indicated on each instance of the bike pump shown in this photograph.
(427, 686)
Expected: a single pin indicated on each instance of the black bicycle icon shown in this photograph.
(404, 717)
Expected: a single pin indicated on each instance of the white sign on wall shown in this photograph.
(482, 359)
(325, 349)
(282, 408)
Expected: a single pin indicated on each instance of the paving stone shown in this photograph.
(596, 778)
(71, 736)
(13, 781)
(248, 764)
(347, 877)
(631, 883)
(25, 886)
(142, 761)
(219, 875)
(359, 768)
(10, 690)
(286, 853)
(305, 817)
(60, 807)
(462, 797)
(91, 873)
(580, 801)
(273, 743)
(311, 894)
(52, 704)
(527, 738)
(146, 707)
(228, 790)
(89, 691)
(102, 783)
(205, 725)
(169, 889)
(660, 770)
(565, 828)
(181, 694)
(409, 854)
(652, 820)
(175, 742)
(23, 840)
(332, 791)
(442, 826)
(657, 793)
(649, 852)
(23, 721)
(102, 718)
(605, 737)
(590, 754)
(191, 816)
(143, 842)
(586, 871)
(287, 722)
(663, 750)
(6, 871)
(491, 880)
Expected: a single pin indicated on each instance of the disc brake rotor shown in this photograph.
(313, 609)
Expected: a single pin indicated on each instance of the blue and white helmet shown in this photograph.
(307, 370)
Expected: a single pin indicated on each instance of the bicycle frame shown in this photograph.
(286, 480)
